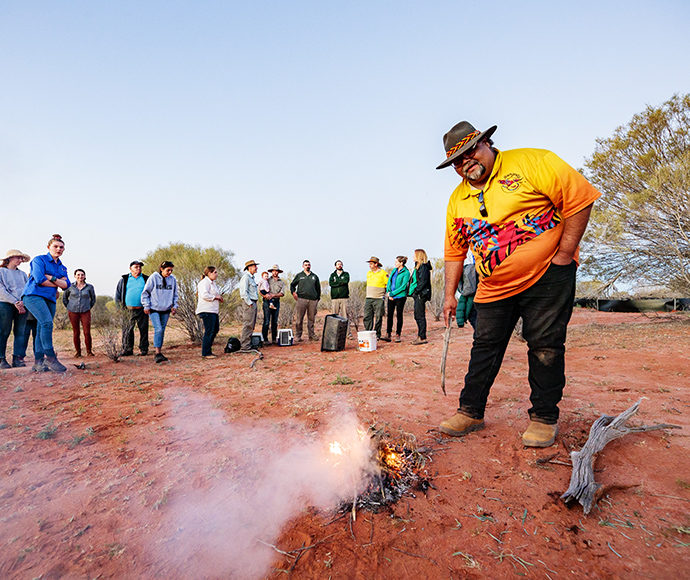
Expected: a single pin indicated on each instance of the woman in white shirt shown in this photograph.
(208, 303)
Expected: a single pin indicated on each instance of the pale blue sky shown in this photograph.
(292, 130)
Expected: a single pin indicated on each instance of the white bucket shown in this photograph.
(367, 340)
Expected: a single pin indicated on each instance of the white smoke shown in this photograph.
(249, 480)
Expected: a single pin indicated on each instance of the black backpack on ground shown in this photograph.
(233, 344)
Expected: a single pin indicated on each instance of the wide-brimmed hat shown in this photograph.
(16, 254)
(250, 263)
(461, 138)
(275, 267)
(375, 260)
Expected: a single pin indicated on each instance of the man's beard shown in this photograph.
(475, 173)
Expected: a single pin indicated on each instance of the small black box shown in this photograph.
(334, 333)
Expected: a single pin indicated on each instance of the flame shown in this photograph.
(336, 448)
(392, 459)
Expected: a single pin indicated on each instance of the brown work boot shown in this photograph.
(459, 425)
(539, 435)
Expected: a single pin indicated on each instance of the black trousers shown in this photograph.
(545, 309)
(420, 316)
(139, 319)
(211, 328)
(395, 305)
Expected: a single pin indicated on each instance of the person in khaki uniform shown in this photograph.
(249, 294)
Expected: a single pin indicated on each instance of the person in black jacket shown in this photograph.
(420, 290)
(128, 296)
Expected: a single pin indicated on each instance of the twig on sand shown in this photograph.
(606, 428)
(416, 555)
(258, 358)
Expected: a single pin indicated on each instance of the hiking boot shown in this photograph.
(53, 364)
(18, 361)
(459, 425)
(39, 367)
(419, 341)
(128, 353)
(386, 338)
(160, 358)
(539, 435)
(4, 364)
(144, 353)
(397, 338)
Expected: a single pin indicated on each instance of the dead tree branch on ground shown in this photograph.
(606, 428)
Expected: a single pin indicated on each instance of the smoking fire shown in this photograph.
(394, 465)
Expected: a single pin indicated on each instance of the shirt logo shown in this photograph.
(511, 182)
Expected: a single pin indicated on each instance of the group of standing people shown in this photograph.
(394, 289)
(381, 289)
(35, 295)
(147, 298)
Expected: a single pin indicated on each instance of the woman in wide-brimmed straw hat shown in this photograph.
(12, 311)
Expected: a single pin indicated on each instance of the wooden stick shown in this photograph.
(606, 428)
(446, 343)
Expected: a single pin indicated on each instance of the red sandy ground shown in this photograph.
(94, 501)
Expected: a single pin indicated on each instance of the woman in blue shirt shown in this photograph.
(398, 283)
(46, 278)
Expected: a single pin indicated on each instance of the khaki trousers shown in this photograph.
(248, 322)
(339, 307)
(309, 307)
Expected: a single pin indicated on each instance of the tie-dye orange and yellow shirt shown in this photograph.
(529, 194)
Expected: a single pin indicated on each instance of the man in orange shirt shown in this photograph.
(522, 213)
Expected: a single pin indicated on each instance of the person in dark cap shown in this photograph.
(522, 213)
(128, 296)
(249, 294)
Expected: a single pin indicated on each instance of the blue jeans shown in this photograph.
(44, 312)
(10, 316)
(545, 309)
(211, 328)
(159, 321)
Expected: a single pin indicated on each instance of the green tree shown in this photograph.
(190, 262)
(639, 232)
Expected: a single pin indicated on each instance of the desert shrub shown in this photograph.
(355, 304)
(119, 321)
(190, 262)
(287, 310)
(61, 319)
(100, 314)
